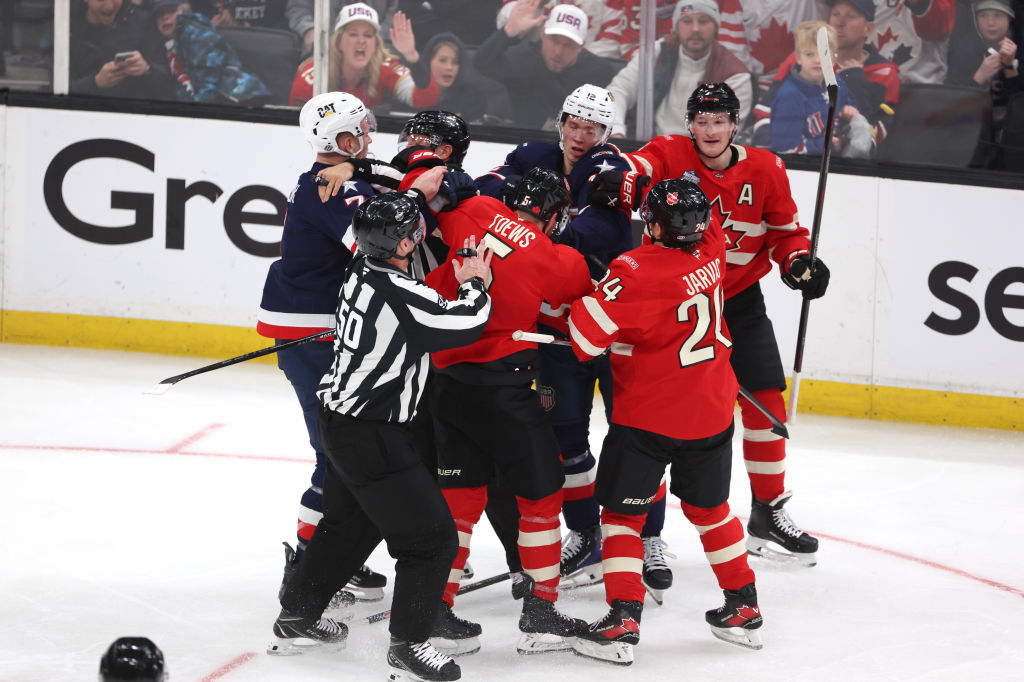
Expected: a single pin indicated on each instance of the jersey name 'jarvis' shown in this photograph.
(703, 278)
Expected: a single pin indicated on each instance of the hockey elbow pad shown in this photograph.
(617, 189)
(807, 276)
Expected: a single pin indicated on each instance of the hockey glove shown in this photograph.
(455, 187)
(567, 236)
(616, 189)
(508, 189)
(811, 278)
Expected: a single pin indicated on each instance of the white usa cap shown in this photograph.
(569, 21)
(358, 11)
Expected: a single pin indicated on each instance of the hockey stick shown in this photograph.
(167, 383)
(778, 428)
(825, 55)
(464, 589)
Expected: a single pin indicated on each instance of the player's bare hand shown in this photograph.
(523, 17)
(330, 180)
(109, 75)
(474, 266)
(403, 38)
(430, 181)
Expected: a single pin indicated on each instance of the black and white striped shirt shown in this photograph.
(387, 324)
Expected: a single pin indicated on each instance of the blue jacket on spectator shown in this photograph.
(215, 72)
(800, 113)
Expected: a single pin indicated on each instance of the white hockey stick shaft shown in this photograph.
(828, 70)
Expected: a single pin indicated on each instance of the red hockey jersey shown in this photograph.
(395, 85)
(659, 310)
(751, 199)
(527, 269)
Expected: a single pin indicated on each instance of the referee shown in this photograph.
(376, 484)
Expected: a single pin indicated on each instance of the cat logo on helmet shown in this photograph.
(328, 115)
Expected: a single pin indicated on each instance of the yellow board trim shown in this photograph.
(886, 403)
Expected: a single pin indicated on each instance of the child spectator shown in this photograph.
(800, 109)
(204, 66)
(362, 66)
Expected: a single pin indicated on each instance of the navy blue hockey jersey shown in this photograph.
(601, 232)
(300, 295)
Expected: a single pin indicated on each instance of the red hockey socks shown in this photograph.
(764, 453)
(622, 556)
(540, 542)
(466, 505)
(721, 533)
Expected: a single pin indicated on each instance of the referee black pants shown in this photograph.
(376, 487)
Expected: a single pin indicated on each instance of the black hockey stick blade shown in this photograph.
(169, 382)
(778, 428)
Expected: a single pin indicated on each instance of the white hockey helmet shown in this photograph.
(327, 115)
(591, 103)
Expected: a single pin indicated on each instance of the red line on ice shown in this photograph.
(229, 666)
(195, 437)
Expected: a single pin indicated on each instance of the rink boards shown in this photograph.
(154, 233)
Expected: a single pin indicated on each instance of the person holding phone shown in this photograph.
(114, 53)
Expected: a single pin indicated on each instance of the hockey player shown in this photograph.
(485, 410)
(749, 194)
(428, 140)
(301, 289)
(376, 485)
(659, 311)
(566, 385)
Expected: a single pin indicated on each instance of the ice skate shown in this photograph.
(581, 558)
(297, 635)
(773, 535)
(366, 584)
(738, 621)
(522, 585)
(657, 576)
(420, 662)
(612, 638)
(454, 636)
(290, 563)
(544, 628)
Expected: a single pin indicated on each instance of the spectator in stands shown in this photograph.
(243, 13)
(873, 80)
(462, 90)
(689, 57)
(203, 65)
(362, 66)
(982, 54)
(113, 52)
(914, 34)
(623, 25)
(538, 78)
(800, 109)
(299, 14)
(602, 23)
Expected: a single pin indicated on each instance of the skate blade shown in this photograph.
(748, 639)
(365, 593)
(300, 645)
(456, 647)
(657, 595)
(766, 549)
(584, 577)
(399, 675)
(543, 643)
(616, 653)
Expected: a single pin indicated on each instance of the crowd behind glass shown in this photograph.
(512, 62)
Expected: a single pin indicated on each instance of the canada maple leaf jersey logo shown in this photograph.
(729, 228)
(774, 43)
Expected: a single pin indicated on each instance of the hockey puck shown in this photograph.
(466, 253)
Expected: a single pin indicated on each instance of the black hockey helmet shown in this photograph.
(442, 127)
(713, 97)
(134, 659)
(542, 193)
(680, 208)
(384, 220)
